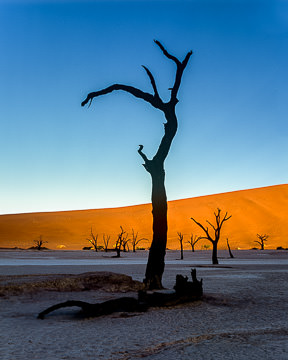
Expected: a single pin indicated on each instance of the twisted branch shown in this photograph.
(130, 89)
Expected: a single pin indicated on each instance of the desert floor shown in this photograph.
(243, 314)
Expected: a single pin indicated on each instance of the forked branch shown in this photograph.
(217, 228)
(204, 229)
(155, 99)
(180, 68)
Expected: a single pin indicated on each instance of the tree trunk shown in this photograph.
(181, 249)
(156, 263)
(214, 253)
(229, 249)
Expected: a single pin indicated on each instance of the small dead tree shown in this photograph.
(119, 243)
(262, 238)
(193, 241)
(217, 229)
(93, 239)
(180, 238)
(135, 240)
(229, 249)
(155, 166)
(125, 243)
(39, 243)
(106, 239)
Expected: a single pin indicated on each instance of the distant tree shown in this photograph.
(262, 238)
(106, 239)
(122, 237)
(193, 241)
(180, 238)
(135, 240)
(205, 247)
(39, 243)
(229, 249)
(155, 166)
(217, 229)
(93, 239)
(125, 243)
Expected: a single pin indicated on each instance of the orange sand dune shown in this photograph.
(261, 210)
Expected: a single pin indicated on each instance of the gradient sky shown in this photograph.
(233, 128)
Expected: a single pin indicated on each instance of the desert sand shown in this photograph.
(261, 210)
(243, 314)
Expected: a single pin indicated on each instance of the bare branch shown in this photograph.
(179, 72)
(187, 57)
(153, 83)
(225, 219)
(180, 68)
(144, 157)
(263, 237)
(130, 89)
(165, 52)
(203, 228)
(211, 224)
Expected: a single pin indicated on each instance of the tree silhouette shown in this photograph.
(155, 166)
(125, 243)
(39, 243)
(122, 238)
(93, 239)
(216, 229)
(135, 240)
(106, 239)
(193, 241)
(262, 238)
(229, 249)
(180, 238)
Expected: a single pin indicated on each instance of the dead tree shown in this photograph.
(93, 239)
(106, 239)
(217, 229)
(229, 249)
(120, 240)
(124, 304)
(262, 238)
(39, 243)
(155, 166)
(184, 291)
(193, 241)
(180, 238)
(135, 240)
(125, 243)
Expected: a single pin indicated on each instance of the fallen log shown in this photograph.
(123, 304)
(184, 291)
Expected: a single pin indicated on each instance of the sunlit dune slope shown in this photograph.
(261, 210)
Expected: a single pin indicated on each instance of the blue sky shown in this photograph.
(233, 129)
